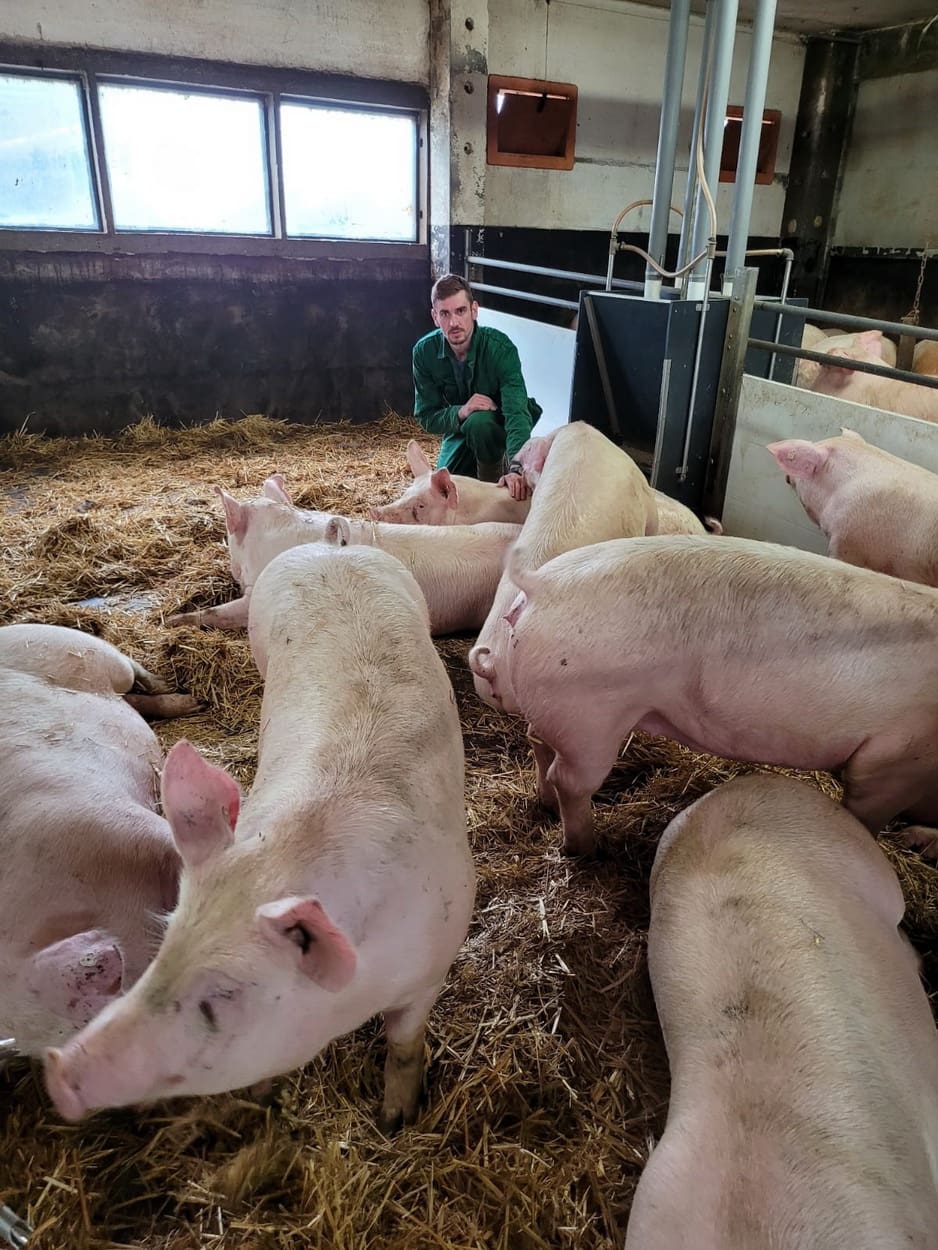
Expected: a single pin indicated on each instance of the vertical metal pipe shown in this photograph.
(667, 141)
(690, 190)
(753, 108)
(724, 36)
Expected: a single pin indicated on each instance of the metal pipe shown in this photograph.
(823, 317)
(529, 295)
(724, 38)
(572, 274)
(675, 62)
(846, 362)
(753, 108)
(704, 307)
(690, 190)
(786, 278)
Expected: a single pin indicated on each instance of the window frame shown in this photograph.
(217, 78)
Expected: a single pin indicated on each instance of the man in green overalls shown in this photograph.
(468, 387)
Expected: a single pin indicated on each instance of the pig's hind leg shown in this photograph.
(405, 1031)
(543, 758)
(583, 758)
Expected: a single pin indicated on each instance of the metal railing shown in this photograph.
(821, 316)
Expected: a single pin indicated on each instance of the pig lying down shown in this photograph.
(89, 868)
(342, 886)
(435, 497)
(743, 649)
(803, 1053)
(457, 568)
(877, 510)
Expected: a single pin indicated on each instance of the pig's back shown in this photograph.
(354, 683)
(804, 1105)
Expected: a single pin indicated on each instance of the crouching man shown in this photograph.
(468, 386)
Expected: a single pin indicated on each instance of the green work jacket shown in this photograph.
(492, 368)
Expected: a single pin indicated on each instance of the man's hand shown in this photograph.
(476, 403)
(516, 485)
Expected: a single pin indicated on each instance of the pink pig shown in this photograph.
(437, 497)
(891, 394)
(877, 510)
(89, 867)
(564, 515)
(340, 889)
(863, 345)
(803, 1053)
(457, 567)
(695, 638)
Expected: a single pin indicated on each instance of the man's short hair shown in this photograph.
(450, 284)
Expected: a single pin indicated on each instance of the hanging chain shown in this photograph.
(911, 318)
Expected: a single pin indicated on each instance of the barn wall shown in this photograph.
(93, 342)
(615, 53)
(363, 37)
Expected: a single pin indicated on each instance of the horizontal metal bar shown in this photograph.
(536, 299)
(518, 267)
(846, 362)
(823, 317)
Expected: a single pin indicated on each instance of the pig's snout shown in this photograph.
(66, 1095)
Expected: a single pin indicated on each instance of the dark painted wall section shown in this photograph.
(881, 286)
(92, 342)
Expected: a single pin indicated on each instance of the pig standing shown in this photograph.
(865, 345)
(89, 867)
(743, 649)
(877, 510)
(457, 568)
(590, 490)
(803, 1054)
(891, 394)
(437, 497)
(344, 886)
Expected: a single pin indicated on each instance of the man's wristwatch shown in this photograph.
(515, 467)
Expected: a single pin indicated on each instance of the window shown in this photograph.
(124, 148)
(45, 167)
(531, 123)
(768, 144)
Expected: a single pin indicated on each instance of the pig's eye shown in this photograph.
(299, 934)
(208, 1014)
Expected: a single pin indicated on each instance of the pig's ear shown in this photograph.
(442, 484)
(236, 515)
(201, 803)
(418, 459)
(275, 489)
(78, 976)
(872, 342)
(852, 435)
(797, 458)
(338, 532)
(322, 950)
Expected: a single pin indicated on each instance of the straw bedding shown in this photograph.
(547, 1076)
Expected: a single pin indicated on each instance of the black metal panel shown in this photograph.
(763, 327)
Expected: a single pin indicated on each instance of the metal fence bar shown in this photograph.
(599, 279)
(845, 362)
(536, 299)
(823, 317)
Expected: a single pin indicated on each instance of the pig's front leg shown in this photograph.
(922, 838)
(233, 615)
(886, 775)
(543, 758)
(405, 1030)
(163, 706)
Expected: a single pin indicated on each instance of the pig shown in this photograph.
(877, 510)
(342, 886)
(743, 649)
(803, 1053)
(925, 358)
(89, 866)
(590, 490)
(438, 497)
(457, 568)
(891, 394)
(868, 344)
